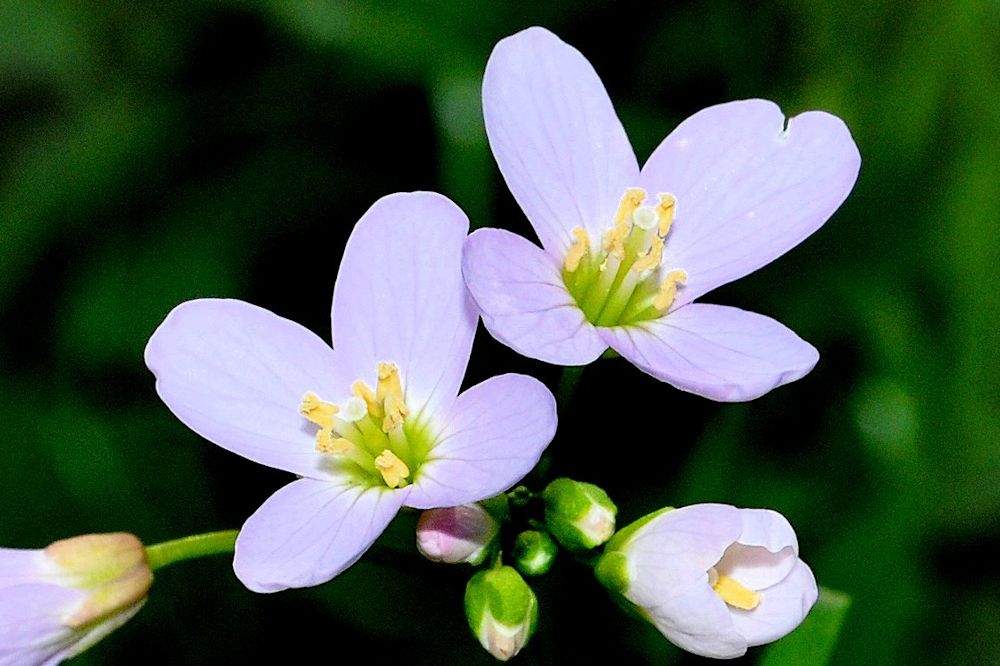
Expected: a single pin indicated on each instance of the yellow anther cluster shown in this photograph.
(371, 420)
(665, 211)
(735, 594)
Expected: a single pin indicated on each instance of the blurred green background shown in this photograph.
(154, 153)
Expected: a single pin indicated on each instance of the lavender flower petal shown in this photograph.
(494, 435)
(555, 136)
(236, 373)
(748, 190)
(524, 301)
(309, 531)
(715, 351)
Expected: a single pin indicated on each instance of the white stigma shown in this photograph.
(645, 217)
(353, 409)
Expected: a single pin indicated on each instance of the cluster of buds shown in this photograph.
(714, 579)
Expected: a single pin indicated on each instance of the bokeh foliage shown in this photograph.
(153, 153)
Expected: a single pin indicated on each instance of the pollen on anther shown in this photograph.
(632, 199)
(393, 470)
(651, 260)
(328, 442)
(319, 412)
(578, 250)
(668, 289)
(665, 211)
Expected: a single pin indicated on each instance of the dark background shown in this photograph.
(149, 155)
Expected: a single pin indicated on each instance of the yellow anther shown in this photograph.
(614, 240)
(632, 199)
(668, 290)
(651, 260)
(395, 412)
(735, 594)
(388, 381)
(328, 442)
(578, 250)
(363, 391)
(393, 470)
(319, 412)
(665, 211)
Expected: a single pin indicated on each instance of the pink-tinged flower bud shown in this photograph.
(502, 611)
(59, 601)
(712, 578)
(456, 534)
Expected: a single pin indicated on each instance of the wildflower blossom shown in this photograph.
(712, 578)
(57, 602)
(625, 251)
(371, 425)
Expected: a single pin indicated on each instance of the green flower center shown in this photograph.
(371, 432)
(622, 281)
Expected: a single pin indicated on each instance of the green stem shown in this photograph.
(190, 547)
(567, 384)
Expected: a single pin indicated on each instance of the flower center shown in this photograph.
(732, 591)
(369, 428)
(622, 280)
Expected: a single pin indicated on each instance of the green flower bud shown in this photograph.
(534, 552)
(580, 515)
(502, 611)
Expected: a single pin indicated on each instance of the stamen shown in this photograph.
(395, 412)
(632, 199)
(614, 241)
(668, 290)
(328, 442)
(665, 211)
(393, 470)
(388, 381)
(364, 392)
(651, 260)
(390, 393)
(578, 250)
(735, 594)
(319, 412)
(354, 409)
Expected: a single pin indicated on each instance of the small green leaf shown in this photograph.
(812, 644)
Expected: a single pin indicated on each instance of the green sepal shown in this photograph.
(567, 504)
(625, 534)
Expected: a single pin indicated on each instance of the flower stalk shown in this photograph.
(190, 548)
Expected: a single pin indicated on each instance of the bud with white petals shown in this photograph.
(580, 515)
(502, 611)
(534, 552)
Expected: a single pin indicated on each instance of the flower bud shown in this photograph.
(456, 534)
(534, 552)
(580, 515)
(85, 588)
(502, 611)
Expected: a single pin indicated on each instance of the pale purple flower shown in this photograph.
(57, 602)
(372, 425)
(625, 251)
(712, 578)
